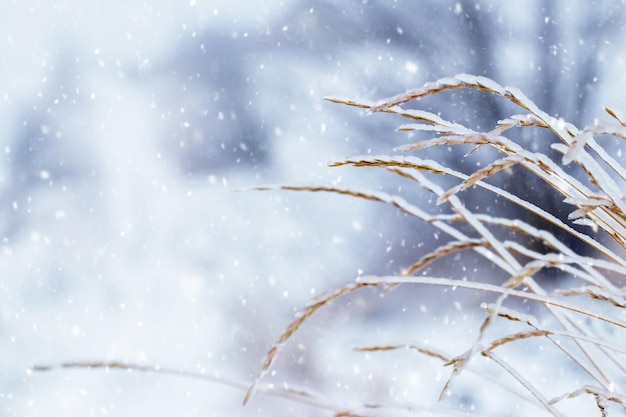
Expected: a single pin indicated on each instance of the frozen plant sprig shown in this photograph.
(598, 201)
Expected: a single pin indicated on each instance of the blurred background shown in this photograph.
(131, 131)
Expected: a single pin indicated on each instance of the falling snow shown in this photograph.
(131, 135)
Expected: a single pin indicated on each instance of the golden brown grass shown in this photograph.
(594, 192)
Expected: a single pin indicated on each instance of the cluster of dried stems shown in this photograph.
(596, 198)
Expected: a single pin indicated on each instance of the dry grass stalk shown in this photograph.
(426, 351)
(442, 251)
(292, 394)
(600, 205)
(294, 325)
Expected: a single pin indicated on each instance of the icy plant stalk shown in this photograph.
(596, 198)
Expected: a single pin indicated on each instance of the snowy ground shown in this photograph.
(128, 132)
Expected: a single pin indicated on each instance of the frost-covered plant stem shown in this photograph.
(595, 194)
